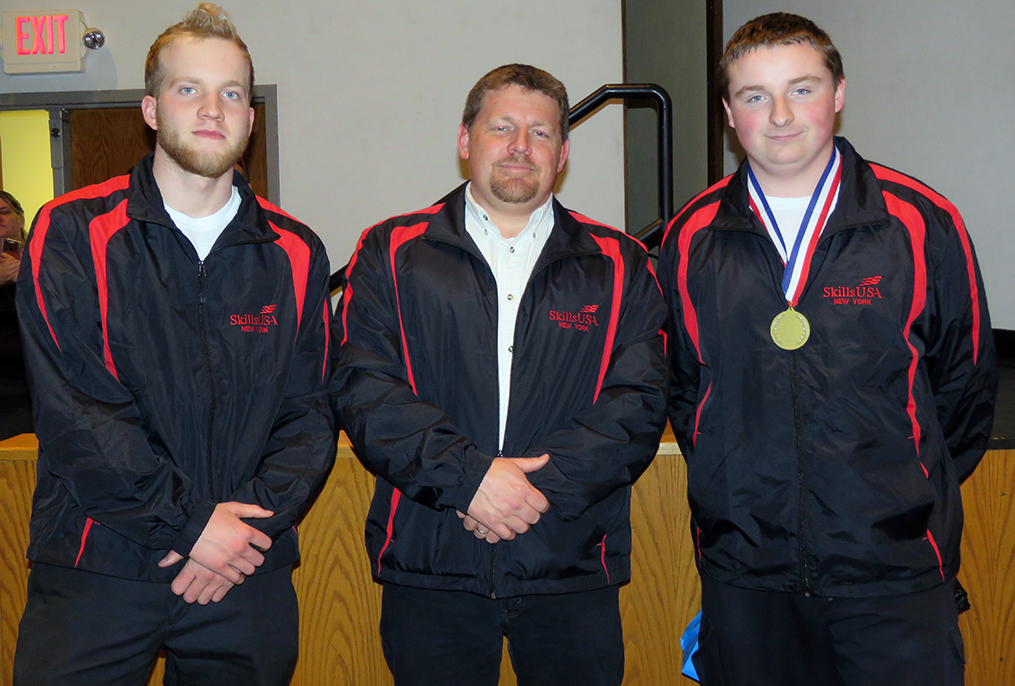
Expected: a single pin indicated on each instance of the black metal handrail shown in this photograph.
(651, 235)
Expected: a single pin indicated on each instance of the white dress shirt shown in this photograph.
(511, 260)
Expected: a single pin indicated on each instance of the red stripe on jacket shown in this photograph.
(100, 232)
(298, 253)
(648, 263)
(913, 221)
(960, 226)
(695, 223)
(399, 236)
(937, 551)
(325, 311)
(84, 537)
(585, 220)
(716, 186)
(275, 209)
(38, 242)
(611, 248)
(602, 557)
(347, 292)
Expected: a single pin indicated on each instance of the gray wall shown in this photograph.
(665, 44)
(371, 93)
(930, 90)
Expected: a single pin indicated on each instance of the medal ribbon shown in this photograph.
(825, 195)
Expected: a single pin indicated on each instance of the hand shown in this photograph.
(196, 583)
(228, 546)
(472, 525)
(9, 266)
(506, 503)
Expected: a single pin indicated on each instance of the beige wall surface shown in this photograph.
(370, 94)
(926, 81)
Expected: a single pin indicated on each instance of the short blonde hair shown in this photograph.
(204, 21)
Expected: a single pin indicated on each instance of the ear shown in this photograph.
(729, 113)
(148, 108)
(840, 94)
(564, 151)
(250, 126)
(463, 142)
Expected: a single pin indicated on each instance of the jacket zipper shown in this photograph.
(804, 564)
(801, 519)
(202, 275)
(500, 453)
(493, 559)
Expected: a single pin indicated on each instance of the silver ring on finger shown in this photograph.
(480, 531)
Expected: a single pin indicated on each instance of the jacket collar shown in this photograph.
(145, 204)
(568, 237)
(860, 200)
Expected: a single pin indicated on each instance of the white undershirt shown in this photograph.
(512, 261)
(789, 212)
(204, 231)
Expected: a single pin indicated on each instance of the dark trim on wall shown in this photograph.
(1004, 341)
(716, 120)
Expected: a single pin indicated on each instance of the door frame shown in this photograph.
(58, 103)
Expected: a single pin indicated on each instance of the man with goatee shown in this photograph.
(175, 332)
(500, 366)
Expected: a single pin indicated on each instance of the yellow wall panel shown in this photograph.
(26, 157)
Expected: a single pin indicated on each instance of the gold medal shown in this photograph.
(790, 329)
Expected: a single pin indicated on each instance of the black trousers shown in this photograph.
(453, 638)
(85, 628)
(760, 638)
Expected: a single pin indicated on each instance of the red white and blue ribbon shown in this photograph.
(798, 259)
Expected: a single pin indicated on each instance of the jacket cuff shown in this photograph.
(199, 517)
(476, 468)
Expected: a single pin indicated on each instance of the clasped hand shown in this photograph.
(227, 551)
(506, 504)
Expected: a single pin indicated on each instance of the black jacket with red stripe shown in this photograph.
(416, 390)
(163, 385)
(833, 469)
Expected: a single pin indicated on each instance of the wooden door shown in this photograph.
(108, 142)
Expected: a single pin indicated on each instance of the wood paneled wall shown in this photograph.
(340, 603)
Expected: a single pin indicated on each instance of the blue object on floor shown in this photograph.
(689, 646)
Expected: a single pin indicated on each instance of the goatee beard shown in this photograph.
(209, 165)
(512, 189)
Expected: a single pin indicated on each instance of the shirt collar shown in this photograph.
(539, 225)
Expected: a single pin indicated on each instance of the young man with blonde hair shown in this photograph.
(175, 332)
(833, 384)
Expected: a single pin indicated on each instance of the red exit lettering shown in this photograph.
(47, 35)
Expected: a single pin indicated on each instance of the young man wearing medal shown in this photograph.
(833, 384)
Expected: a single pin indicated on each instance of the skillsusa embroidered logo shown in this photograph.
(864, 293)
(580, 320)
(255, 323)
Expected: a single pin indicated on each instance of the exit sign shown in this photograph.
(42, 42)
